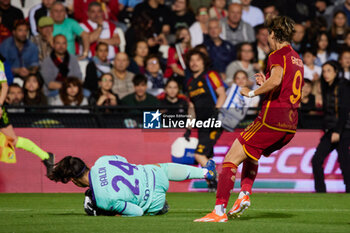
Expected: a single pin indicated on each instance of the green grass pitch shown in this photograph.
(270, 212)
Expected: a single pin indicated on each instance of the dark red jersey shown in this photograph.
(280, 106)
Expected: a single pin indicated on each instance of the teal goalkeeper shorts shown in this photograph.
(161, 187)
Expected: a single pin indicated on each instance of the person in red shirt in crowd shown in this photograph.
(100, 30)
(4, 31)
(110, 9)
(175, 63)
(274, 127)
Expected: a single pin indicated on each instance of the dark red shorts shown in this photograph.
(258, 139)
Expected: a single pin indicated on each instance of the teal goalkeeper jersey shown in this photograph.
(122, 187)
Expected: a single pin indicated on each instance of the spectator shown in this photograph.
(324, 10)
(241, 79)
(218, 10)
(110, 9)
(69, 28)
(261, 46)
(345, 7)
(308, 102)
(344, 60)
(154, 75)
(234, 29)
(337, 31)
(140, 97)
(33, 93)
(172, 101)
(204, 106)
(21, 53)
(44, 40)
(298, 39)
(335, 93)
(36, 12)
(182, 15)
(101, 31)
(175, 63)
(4, 31)
(200, 27)
(70, 94)
(251, 14)
(323, 50)
(9, 14)
(138, 61)
(311, 71)
(96, 67)
(270, 11)
(15, 96)
(104, 96)
(220, 51)
(158, 13)
(58, 66)
(244, 61)
(122, 84)
(142, 29)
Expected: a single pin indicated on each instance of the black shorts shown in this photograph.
(4, 120)
(206, 141)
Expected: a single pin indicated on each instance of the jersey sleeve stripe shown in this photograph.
(215, 80)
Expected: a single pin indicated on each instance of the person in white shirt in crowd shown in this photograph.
(101, 30)
(234, 29)
(344, 60)
(245, 56)
(218, 10)
(241, 79)
(36, 12)
(251, 14)
(200, 27)
(311, 71)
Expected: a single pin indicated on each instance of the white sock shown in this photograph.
(205, 171)
(242, 193)
(220, 210)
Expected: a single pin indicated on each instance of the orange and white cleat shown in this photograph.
(240, 205)
(212, 217)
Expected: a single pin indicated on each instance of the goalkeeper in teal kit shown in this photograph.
(120, 188)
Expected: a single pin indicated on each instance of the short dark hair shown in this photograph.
(138, 79)
(100, 44)
(283, 28)
(20, 22)
(259, 27)
(66, 169)
(203, 56)
(15, 85)
(92, 4)
(310, 50)
(149, 57)
(308, 81)
(171, 79)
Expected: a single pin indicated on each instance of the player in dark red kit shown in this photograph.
(274, 127)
